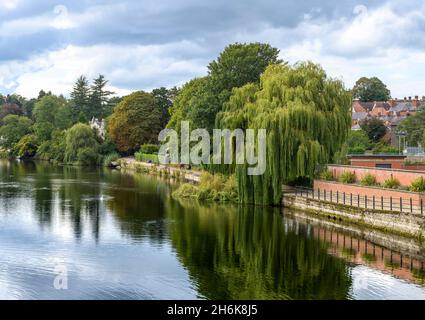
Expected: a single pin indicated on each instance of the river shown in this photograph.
(84, 233)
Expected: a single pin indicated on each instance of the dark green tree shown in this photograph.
(13, 129)
(164, 99)
(374, 128)
(80, 98)
(371, 89)
(98, 98)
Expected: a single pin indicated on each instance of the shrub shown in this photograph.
(418, 185)
(347, 177)
(87, 156)
(144, 157)
(211, 188)
(391, 183)
(26, 147)
(149, 149)
(368, 180)
(112, 157)
(357, 150)
(327, 175)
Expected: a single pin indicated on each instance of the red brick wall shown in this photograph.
(395, 163)
(367, 191)
(405, 177)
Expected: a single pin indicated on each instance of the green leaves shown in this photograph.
(371, 89)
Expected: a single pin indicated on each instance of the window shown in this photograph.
(383, 165)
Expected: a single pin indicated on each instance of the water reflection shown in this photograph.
(122, 237)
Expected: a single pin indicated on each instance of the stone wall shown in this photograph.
(398, 223)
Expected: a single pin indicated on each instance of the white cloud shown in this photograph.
(127, 67)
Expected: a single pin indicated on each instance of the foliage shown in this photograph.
(413, 126)
(13, 129)
(50, 113)
(368, 180)
(135, 121)
(391, 183)
(26, 147)
(53, 149)
(98, 99)
(164, 99)
(80, 99)
(371, 89)
(347, 177)
(108, 159)
(10, 109)
(384, 148)
(149, 148)
(307, 118)
(211, 188)
(201, 99)
(81, 145)
(357, 140)
(145, 157)
(327, 175)
(357, 150)
(418, 185)
(374, 128)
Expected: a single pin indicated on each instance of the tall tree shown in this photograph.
(371, 89)
(98, 98)
(307, 119)
(164, 99)
(135, 121)
(13, 129)
(236, 66)
(80, 98)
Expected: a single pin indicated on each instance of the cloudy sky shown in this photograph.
(143, 44)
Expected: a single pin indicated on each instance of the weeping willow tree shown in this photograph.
(307, 118)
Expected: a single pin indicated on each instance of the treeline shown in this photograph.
(55, 128)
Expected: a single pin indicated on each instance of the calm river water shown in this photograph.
(107, 235)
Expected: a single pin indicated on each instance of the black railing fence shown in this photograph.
(395, 204)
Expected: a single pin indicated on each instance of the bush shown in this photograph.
(418, 185)
(327, 175)
(347, 177)
(357, 150)
(26, 147)
(112, 157)
(149, 149)
(53, 149)
(144, 157)
(87, 157)
(211, 188)
(368, 180)
(391, 183)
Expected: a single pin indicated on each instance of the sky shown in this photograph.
(145, 44)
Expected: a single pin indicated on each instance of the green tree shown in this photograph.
(201, 99)
(414, 127)
(164, 99)
(371, 89)
(26, 147)
(80, 98)
(81, 145)
(374, 128)
(98, 98)
(357, 139)
(307, 117)
(135, 121)
(13, 129)
(51, 112)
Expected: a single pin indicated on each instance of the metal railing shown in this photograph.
(394, 204)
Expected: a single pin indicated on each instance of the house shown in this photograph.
(99, 126)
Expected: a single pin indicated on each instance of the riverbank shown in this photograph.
(402, 224)
(131, 164)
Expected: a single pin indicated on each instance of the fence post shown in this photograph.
(365, 201)
(382, 203)
(313, 193)
(318, 191)
(373, 202)
(337, 197)
(422, 208)
(331, 196)
(344, 197)
(351, 199)
(325, 194)
(358, 201)
(401, 205)
(391, 203)
(411, 206)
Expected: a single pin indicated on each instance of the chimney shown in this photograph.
(415, 102)
(410, 98)
(405, 99)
